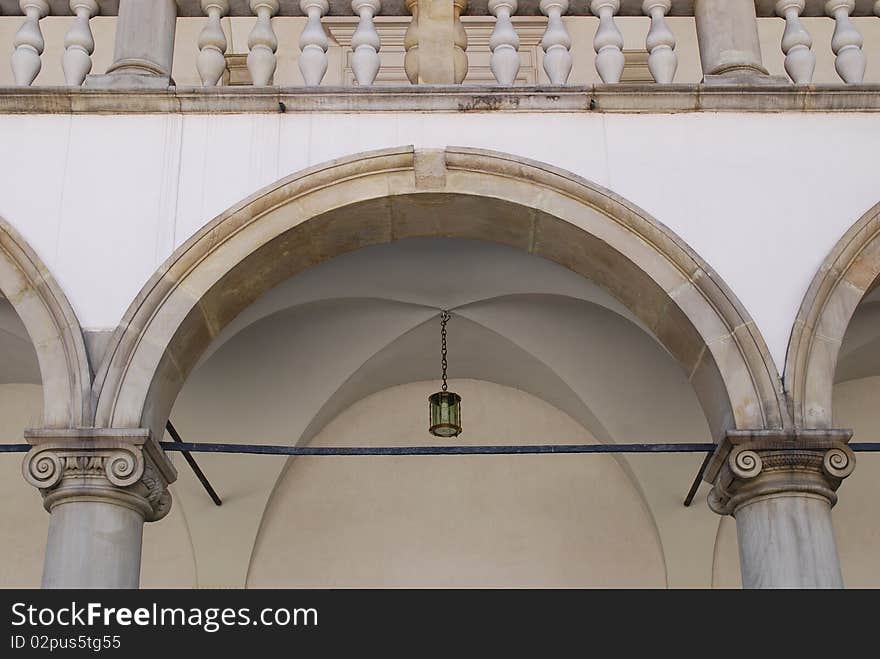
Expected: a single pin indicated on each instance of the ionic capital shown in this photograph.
(124, 467)
(750, 465)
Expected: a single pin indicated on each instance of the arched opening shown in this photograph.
(224, 317)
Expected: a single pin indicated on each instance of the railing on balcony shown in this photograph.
(370, 42)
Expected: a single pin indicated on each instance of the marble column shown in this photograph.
(99, 487)
(144, 48)
(730, 51)
(780, 486)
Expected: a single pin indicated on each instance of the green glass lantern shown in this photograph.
(444, 407)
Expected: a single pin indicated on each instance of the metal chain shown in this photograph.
(444, 318)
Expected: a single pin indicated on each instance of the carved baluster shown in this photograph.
(411, 43)
(313, 42)
(800, 62)
(504, 42)
(212, 43)
(365, 42)
(846, 42)
(608, 43)
(662, 60)
(79, 44)
(262, 43)
(29, 42)
(460, 40)
(556, 42)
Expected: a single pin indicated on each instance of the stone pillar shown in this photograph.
(144, 49)
(780, 486)
(436, 42)
(99, 487)
(730, 51)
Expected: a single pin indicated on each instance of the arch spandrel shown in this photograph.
(52, 327)
(850, 271)
(395, 194)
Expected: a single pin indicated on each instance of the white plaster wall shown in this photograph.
(104, 200)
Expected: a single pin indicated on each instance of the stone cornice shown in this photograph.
(750, 465)
(621, 98)
(121, 466)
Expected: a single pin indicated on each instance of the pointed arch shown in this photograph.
(393, 194)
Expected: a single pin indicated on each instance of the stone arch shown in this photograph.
(53, 329)
(849, 272)
(388, 195)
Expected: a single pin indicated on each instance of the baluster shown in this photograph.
(411, 43)
(313, 42)
(29, 42)
(556, 42)
(365, 42)
(800, 62)
(662, 60)
(460, 39)
(608, 43)
(504, 42)
(79, 44)
(846, 42)
(212, 43)
(262, 43)
(877, 7)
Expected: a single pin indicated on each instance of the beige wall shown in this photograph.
(550, 521)
(23, 523)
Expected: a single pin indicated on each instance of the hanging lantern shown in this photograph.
(444, 406)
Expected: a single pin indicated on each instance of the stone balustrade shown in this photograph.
(437, 40)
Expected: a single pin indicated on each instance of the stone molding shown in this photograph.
(848, 273)
(125, 467)
(647, 98)
(345, 204)
(53, 329)
(752, 465)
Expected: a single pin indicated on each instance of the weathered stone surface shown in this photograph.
(53, 328)
(847, 274)
(621, 98)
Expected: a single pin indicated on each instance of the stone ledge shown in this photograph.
(622, 98)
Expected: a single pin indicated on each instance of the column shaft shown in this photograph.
(92, 544)
(144, 47)
(788, 542)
